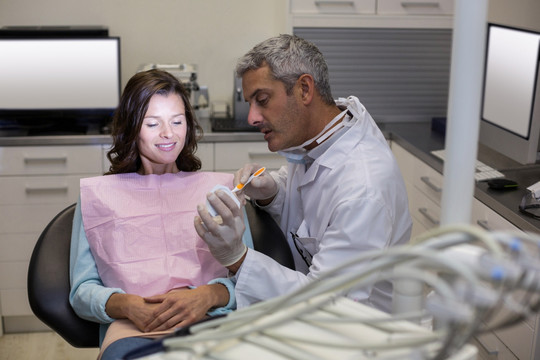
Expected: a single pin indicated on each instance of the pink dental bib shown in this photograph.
(140, 230)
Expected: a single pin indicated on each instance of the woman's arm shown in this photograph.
(88, 296)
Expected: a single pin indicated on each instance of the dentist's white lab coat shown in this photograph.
(352, 198)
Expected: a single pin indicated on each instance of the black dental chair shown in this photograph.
(48, 272)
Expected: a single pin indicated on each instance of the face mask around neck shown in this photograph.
(296, 154)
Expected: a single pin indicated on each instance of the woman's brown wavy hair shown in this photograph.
(128, 118)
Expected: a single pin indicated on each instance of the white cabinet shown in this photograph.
(38, 182)
(415, 7)
(205, 152)
(488, 219)
(333, 6)
(372, 13)
(424, 190)
(49, 160)
(231, 156)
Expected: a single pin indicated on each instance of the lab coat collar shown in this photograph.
(323, 156)
(329, 156)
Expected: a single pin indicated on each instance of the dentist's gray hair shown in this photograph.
(289, 57)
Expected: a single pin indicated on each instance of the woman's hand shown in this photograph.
(178, 307)
(182, 307)
(132, 307)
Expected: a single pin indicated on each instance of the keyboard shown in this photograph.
(483, 172)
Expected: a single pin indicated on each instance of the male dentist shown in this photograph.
(341, 194)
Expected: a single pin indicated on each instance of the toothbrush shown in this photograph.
(254, 175)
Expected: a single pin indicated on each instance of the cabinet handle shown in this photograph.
(491, 350)
(424, 212)
(34, 189)
(484, 224)
(337, 3)
(30, 159)
(432, 4)
(426, 180)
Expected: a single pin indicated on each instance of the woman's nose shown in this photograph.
(166, 131)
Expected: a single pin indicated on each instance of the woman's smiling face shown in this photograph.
(163, 134)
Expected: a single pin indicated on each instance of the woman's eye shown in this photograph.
(151, 125)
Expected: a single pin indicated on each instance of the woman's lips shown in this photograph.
(166, 147)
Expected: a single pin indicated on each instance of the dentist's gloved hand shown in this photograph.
(224, 238)
(262, 188)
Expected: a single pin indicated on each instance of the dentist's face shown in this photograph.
(277, 115)
(163, 134)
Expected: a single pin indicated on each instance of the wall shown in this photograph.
(209, 33)
(518, 13)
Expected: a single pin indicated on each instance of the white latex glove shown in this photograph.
(224, 238)
(263, 187)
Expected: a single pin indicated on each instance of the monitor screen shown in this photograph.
(511, 69)
(37, 74)
(510, 106)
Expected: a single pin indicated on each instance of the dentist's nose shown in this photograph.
(254, 116)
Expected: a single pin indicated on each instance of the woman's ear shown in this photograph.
(307, 87)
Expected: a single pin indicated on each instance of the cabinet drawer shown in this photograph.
(424, 177)
(519, 339)
(232, 156)
(488, 219)
(491, 348)
(405, 161)
(428, 181)
(423, 209)
(25, 190)
(205, 152)
(28, 218)
(415, 7)
(333, 6)
(50, 160)
(14, 302)
(13, 274)
(17, 247)
(418, 227)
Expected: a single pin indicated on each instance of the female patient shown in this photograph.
(135, 255)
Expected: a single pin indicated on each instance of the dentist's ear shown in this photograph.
(307, 87)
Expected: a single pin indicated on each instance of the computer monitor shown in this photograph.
(54, 79)
(511, 93)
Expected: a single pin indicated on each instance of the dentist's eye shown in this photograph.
(263, 100)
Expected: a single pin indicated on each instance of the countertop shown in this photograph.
(98, 139)
(418, 139)
(63, 140)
